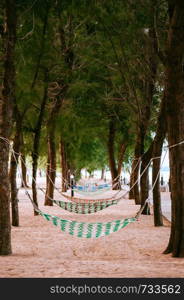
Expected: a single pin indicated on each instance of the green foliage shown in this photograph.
(102, 60)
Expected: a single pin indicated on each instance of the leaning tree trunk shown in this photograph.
(6, 110)
(174, 89)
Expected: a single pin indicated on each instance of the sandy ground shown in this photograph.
(43, 250)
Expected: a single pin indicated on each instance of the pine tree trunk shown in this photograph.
(6, 110)
(157, 152)
(121, 155)
(64, 166)
(13, 171)
(131, 190)
(112, 162)
(102, 173)
(36, 143)
(24, 171)
(52, 171)
(144, 180)
(34, 186)
(158, 219)
(139, 150)
(174, 89)
(5, 226)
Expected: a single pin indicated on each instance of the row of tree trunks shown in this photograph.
(6, 112)
(174, 91)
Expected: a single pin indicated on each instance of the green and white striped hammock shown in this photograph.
(84, 208)
(87, 230)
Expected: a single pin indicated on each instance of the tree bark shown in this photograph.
(131, 191)
(36, 143)
(64, 166)
(139, 150)
(13, 170)
(157, 152)
(122, 150)
(144, 118)
(24, 171)
(144, 180)
(112, 162)
(6, 111)
(51, 124)
(102, 173)
(174, 89)
(51, 171)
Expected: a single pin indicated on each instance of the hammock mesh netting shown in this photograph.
(84, 208)
(85, 229)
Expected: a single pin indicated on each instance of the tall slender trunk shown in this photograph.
(36, 142)
(13, 170)
(64, 166)
(121, 155)
(23, 160)
(51, 124)
(6, 111)
(102, 173)
(174, 89)
(112, 162)
(138, 152)
(148, 87)
(144, 180)
(158, 219)
(23, 171)
(131, 190)
(157, 152)
(51, 171)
